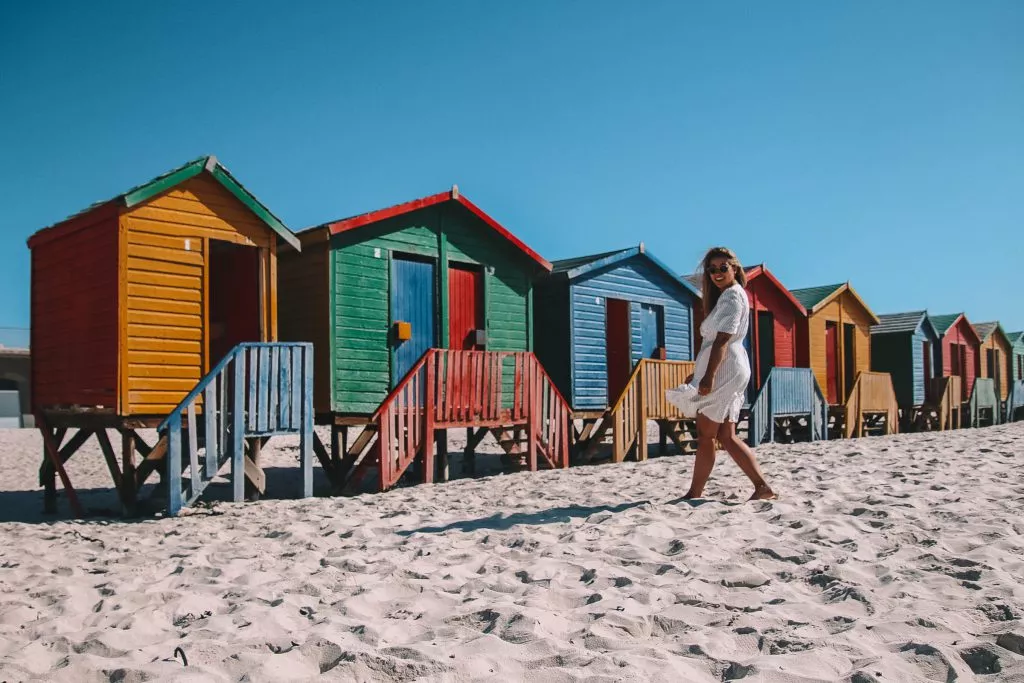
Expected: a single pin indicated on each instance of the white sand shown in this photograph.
(888, 559)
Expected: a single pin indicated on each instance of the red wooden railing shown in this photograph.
(448, 388)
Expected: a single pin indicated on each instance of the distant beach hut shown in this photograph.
(422, 317)
(957, 353)
(615, 330)
(139, 307)
(904, 345)
(995, 357)
(835, 338)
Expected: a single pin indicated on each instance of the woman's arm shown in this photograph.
(715, 357)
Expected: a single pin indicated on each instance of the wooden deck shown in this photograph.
(643, 399)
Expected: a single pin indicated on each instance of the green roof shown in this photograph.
(809, 297)
(942, 323)
(178, 175)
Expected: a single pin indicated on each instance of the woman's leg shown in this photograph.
(743, 455)
(705, 460)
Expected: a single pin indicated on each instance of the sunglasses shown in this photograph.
(723, 269)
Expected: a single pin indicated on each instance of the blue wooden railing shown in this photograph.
(258, 390)
(983, 397)
(1015, 401)
(788, 392)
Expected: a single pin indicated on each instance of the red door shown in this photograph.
(465, 307)
(617, 347)
(832, 362)
(234, 297)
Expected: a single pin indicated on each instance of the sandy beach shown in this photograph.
(887, 559)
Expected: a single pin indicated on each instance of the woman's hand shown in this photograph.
(689, 379)
(706, 384)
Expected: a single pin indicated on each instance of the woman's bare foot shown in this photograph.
(763, 492)
(689, 495)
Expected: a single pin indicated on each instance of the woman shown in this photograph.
(722, 372)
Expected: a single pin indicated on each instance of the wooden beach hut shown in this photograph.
(834, 339)
(139, 305)
(958, 349)
(904, 345)
(607, 324)
(421, 315)
(995, 356)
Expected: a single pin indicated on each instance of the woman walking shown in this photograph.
(722, 372)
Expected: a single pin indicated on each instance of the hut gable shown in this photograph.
(139, 268)
(835, 341)
(423, 252)
(579, 297)
(995, 356)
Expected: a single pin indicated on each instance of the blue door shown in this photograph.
(412, 302)
(652, 329)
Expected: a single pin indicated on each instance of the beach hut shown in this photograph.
(903, 345)
(598, 318)
(422, 318)
(957, 352)
(995, 356)
(834, 339)
(139, 304)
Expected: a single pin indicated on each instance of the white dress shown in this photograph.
(731, 314)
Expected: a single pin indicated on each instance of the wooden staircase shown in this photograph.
(643, 399)
(257, 391)
(983, 408)
(1015, 402)
(506, 393)
(789, 406)
(871, 408)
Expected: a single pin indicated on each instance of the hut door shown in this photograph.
(617, 331)
(832, 362)
(652, 329)
(993, 368)
(849, 358)
(765, 345)
(234, 291)
(465, 307)
(412, 303)
(926, 349)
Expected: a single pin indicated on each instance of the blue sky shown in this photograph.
(872, 141)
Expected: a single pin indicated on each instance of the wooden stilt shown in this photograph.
(52, 452)
(129, 494)
(255, 479)
(443, 473)
(473, 439)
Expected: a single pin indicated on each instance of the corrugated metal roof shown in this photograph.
(810, 297)
(565, 265)
(892, 323)
(943, 322)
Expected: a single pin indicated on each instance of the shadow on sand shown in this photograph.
(501, 522)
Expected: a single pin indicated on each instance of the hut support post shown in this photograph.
(56, 458)
(128, 491)
(473, 439)
(641, 417)
(443, 471)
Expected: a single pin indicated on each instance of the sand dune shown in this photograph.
(888, 559)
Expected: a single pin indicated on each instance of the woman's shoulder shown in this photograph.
(736, 292)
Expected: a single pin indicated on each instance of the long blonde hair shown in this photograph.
(709, 290)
